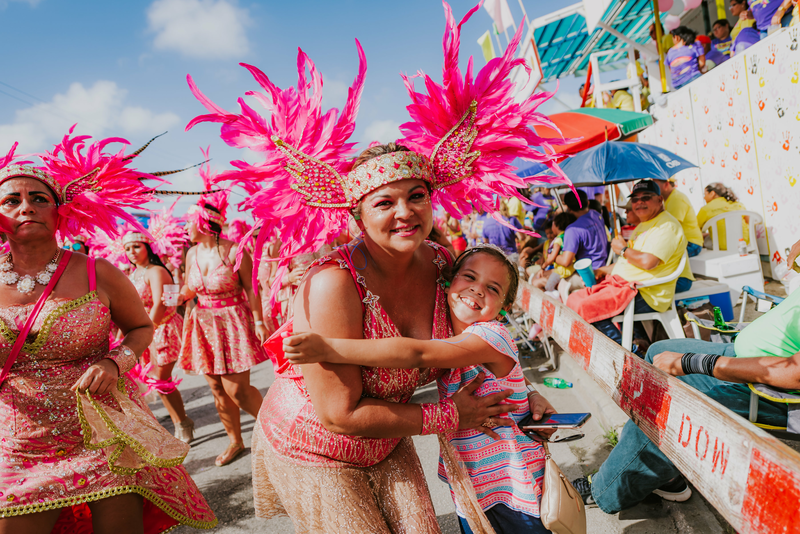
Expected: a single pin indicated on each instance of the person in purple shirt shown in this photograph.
(722, 41)
(501, 235)
(545, 202)
(770, 12)
(586, 237)
(686, 59)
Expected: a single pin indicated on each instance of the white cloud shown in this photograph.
(32, 3)
(383, 131)
(334, 93)
(99, 110)
(202, 29)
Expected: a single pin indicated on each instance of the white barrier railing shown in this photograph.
(750, 477)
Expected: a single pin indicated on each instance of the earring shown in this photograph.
(446, 284)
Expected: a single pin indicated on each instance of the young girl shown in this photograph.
(507, 471)
(548, 278)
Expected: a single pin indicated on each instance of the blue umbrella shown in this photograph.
(611, 163)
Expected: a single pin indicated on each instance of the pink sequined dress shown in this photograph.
(293, 451)
(44, 463)
(219, 333)
(166, 345)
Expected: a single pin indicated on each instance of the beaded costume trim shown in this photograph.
(120, 438)
(47, 325)
(104, 494)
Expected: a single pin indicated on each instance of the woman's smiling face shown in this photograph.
(478, 290)
(398, 215)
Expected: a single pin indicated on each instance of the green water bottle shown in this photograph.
(559, 383)
(719, 320)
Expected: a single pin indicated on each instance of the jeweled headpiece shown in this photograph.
(217, 199)
(135, 237)
(385, 169)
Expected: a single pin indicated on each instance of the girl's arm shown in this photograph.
(551, 258)
(157, 277)
(397, 352)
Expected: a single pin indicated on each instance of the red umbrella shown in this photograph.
(591, 124)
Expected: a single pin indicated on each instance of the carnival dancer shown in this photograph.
(506, 473)
(149, 277)
(54, 475)
(345, 430)
(222, 335)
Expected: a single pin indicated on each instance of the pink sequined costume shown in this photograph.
(44, 463)
(166, 345)
(291, 445)
(219, 333)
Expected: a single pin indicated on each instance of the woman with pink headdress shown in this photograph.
(222, 335)
(344, 430)
(63, 469)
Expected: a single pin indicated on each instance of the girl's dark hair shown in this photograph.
(154, 259)
(687, 35)
(564, 219)
(722, 191)
(513, 271)
(216, 230)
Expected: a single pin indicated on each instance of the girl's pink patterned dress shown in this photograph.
(509, 470)
(219, 333)
(166, 345)
(44, 464)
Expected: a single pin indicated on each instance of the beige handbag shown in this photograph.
(561, 509)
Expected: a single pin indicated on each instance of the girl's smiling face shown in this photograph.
(478, 291)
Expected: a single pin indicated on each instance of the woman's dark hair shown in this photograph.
(564, 219)
(572, 201)
(216, 229)
(154, 259)
(722, 22)
(722, 191)
(513, 271)
(740, 2)
(687, 35)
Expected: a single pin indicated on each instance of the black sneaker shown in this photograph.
(583, 486)
(676, 490)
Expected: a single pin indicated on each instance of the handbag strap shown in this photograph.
(23, 333)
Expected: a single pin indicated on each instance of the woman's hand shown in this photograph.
(602, 272)
(306, 347)
(474, 411)
(539, 407)
(99, 378)
(669, 362)
(793, 253)
(262, 333)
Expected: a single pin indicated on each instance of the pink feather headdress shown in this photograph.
(237, 230)
(215, 198)
(472, 130)
(92, 189)
(168, 235)
(297, 193)
(110, 246)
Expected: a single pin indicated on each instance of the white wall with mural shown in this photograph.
(740, 124)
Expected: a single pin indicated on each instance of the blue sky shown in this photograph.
(119, 68)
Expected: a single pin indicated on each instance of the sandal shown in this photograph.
(184, 430)
(230, 454)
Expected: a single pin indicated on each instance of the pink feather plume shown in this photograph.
(169, 235)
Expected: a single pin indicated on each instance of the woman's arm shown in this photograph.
(246, 278)
(701, 62)
(396, 352)
(157, 277)
(335, 390)
(186, 293)
(127, 312)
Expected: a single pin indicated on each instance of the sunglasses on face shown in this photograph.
(74, 246)
(642, 198)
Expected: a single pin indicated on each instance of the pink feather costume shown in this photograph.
(303, 193)
(45, 462)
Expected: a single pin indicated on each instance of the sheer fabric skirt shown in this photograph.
(390, 497)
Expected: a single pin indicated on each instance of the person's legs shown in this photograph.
(609, 329)
(693, 249)
(122, 514)
(37, 523)
(173, 402)
(246, 397)
(683, 284)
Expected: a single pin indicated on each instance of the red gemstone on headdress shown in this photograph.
(396, 165)
(381, 169)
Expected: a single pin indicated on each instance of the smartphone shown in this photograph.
(555, 420)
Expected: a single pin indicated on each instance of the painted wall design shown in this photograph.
(741, 124)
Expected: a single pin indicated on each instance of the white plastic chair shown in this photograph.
(726, 265)
(668, 319)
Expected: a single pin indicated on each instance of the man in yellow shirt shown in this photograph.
(679, 206)
(622, 99)
(654, 251)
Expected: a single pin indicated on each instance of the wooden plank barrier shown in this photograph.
(750, 477)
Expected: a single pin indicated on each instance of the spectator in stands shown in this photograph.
(589, 103)
(619, 99)
(544, 202)
(552, 273)
(720, 199)
(767, 351)
(686, 59)
(680, 207)
(654, 251)
(586, 237)
(666, 39)
(740, 10)
(770, 13)
(746, 38)
(501, 235)
(722, 40)
(713, 57)
(515, 208)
